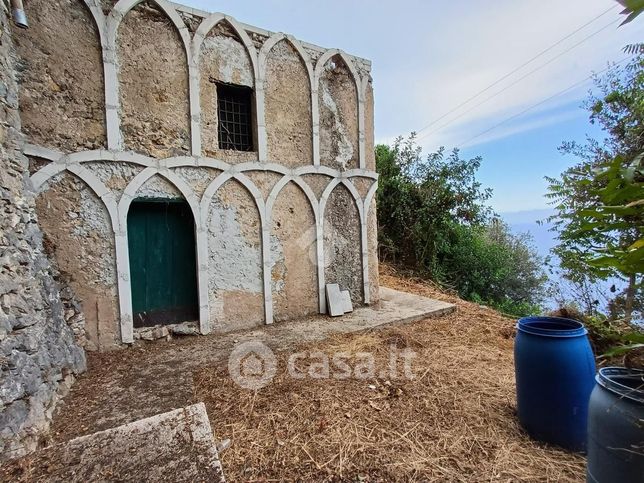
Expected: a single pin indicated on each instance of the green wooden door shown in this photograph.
(163, 273)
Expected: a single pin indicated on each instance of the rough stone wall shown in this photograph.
(153, 82)
(235, 263)
(78, 235)
(294, 275)
(61, 76)
(223, 59)
(342, 251)
(288, 107)
(38, 354)
(338, 102)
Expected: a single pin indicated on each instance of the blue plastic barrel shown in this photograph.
(555, 370)
(616, 427)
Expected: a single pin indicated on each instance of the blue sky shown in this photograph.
(429, 56)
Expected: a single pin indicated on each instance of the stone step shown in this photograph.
(174, 446)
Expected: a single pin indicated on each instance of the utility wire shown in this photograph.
(516, 69)
(517, 81)
(577, 84)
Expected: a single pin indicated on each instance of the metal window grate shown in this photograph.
(234, 108)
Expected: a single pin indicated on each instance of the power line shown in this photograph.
(516, 69)
(517, 81)
(577, 84)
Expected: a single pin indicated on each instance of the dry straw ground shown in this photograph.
(455, 421)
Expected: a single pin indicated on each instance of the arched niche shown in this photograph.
(288, 107)
(153, 83)
(223, 59)
(338, 108)
(78, 237)
(62, 101)
(342, 243)
(235, 264)
(293, 252)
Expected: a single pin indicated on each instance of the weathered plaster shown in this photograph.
(78, 235)
(198, 178)
(288, 107)
(61, 76)
(153, 82)
(339, 147)
(115, 176)
(264, 180)
(294, 271)
(342, 255)
(317, 182)
(223, 58)
(235, 261)
(370, 153)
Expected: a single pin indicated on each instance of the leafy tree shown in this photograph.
(433, 216)
(599, 210)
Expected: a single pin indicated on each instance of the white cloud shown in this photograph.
(460, 57)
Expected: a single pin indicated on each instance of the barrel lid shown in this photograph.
(626, 383)
(551, 326)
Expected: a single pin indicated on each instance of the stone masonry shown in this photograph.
(39, 355)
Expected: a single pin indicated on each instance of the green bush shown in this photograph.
(433, 218)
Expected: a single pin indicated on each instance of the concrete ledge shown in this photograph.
(173, 446)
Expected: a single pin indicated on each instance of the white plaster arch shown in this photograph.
(123, 256)
(254, 191)
(272, 197)
(363, 230)
(324, 198)
(272, 42)
(87, 177)
(308, 64)
(319, 66)
(111, 64)
(367, 199)
(310, 195)
(99, 18)
(209, 23)
(322, 61)
(61, 159)
(164, 167)
(195, 89)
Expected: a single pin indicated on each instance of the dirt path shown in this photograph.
(454, 421)
(150, 378)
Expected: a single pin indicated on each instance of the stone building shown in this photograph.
(193, 168)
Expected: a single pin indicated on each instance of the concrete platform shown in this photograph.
(150, 378)
(174, 446)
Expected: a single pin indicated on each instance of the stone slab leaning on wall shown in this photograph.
(38, 353)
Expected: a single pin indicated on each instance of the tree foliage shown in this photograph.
(598, 202)
(433, 217)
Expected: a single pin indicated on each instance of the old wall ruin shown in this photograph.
(121, 104)
(41, 326)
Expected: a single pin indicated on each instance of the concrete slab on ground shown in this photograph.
(153, 377)
(173, 446)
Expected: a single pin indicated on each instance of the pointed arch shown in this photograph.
(256, 194)
(209, 23)
(111, 64)
(272, 42)
(291, 80)
(357, 82)
(364, 255)
(293, 223)
(319, 66)
(122, 249)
